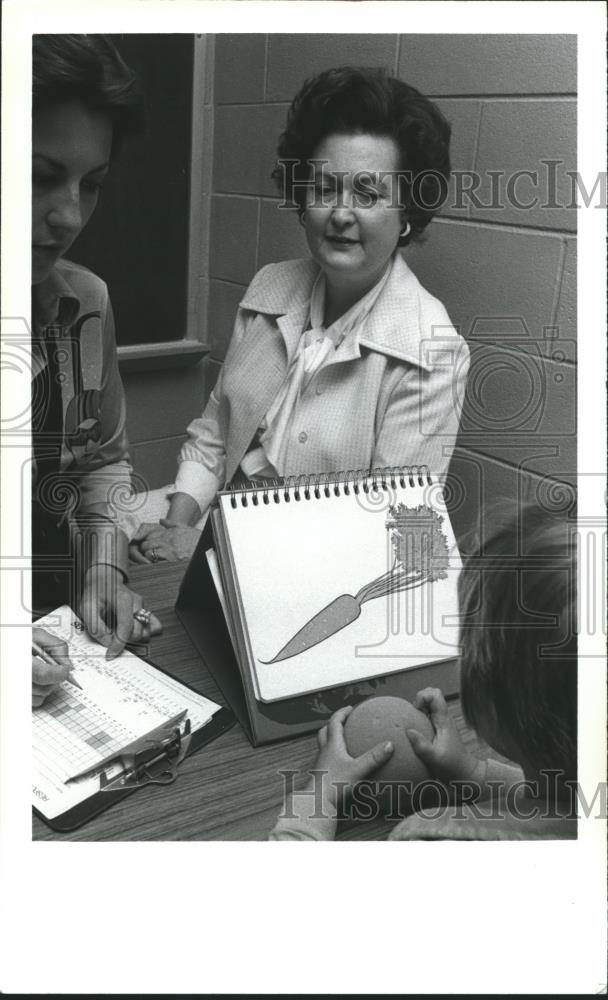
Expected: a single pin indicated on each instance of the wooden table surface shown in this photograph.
(228, 790)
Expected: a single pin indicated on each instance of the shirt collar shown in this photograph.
(53, 303)
(393, 327)
(353, 320)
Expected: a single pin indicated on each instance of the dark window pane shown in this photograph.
(137, 240)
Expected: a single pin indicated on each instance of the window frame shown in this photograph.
(193, 346)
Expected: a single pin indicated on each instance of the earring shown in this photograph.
(405, 232)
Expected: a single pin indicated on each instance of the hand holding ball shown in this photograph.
(377, 720)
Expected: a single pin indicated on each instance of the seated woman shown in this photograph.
(84, 103)
(342, 361)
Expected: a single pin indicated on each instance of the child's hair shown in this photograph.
(518, 636)
(88, 68)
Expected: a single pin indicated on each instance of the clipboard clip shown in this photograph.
(155, 763)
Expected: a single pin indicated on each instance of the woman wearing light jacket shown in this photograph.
(342, 361)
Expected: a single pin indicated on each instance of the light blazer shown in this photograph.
(391, 396)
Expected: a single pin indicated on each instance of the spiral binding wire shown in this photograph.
(324, 484)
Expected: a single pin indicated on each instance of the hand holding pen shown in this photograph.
(51, 665)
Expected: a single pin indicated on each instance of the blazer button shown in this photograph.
(302, 437)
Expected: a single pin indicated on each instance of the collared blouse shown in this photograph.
(317, 347)
(72, 316)
(391, 396)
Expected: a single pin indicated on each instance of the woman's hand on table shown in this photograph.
(165, 541)
(339, 770)
(108, 608)
(47, 674)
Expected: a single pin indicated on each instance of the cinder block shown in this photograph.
(234, 225)
(489, 64)
(512, 393)
(246, 140)
(498, 285)
(517, 136)
(180, 390)
(155, 462)
(281, 235)
(224, 301)
(463, 116)
(566, 310)
(240, 67)
(481, 495)
(484, 494)
(521, 409)
(292, 59)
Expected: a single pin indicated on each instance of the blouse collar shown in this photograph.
(353, 320)
(393, 327)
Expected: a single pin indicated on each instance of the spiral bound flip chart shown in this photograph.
(332, 579)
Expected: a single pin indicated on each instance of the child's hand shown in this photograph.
(446, 757)
(340, 770)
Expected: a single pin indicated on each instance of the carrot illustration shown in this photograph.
(421, 556)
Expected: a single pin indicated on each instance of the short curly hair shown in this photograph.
(351, 100)
(89, 68)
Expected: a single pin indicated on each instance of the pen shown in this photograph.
(146, 750)
(42, 653)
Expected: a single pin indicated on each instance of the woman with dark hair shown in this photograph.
(85, 100)
(342, 361)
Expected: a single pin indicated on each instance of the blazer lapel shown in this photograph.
(276, 342)
(393, 326)
(291, 326)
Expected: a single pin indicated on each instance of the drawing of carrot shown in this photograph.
(421, 556)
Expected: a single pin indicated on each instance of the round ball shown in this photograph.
(380, 719)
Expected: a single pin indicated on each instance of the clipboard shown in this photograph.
(164, 755)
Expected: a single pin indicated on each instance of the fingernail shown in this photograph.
(388, 746)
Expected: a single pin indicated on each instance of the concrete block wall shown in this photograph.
(160, 405)
(506, 274)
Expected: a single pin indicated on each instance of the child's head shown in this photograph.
(518, 635)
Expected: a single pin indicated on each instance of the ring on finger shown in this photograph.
(154, 556)
(143, 616)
